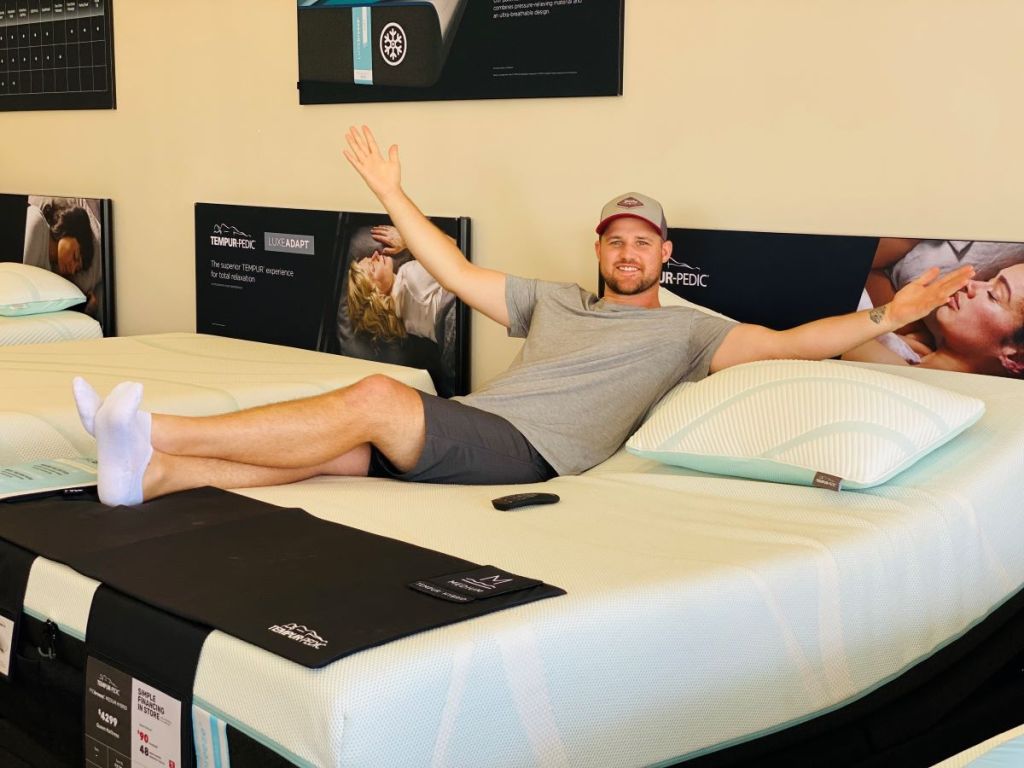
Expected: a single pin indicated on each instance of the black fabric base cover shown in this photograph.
(960, 696)
(244, 567)
(158, 648)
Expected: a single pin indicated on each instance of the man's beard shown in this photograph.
(612, 281)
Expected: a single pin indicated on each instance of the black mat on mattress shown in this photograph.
(301, 587)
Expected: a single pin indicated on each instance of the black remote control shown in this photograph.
(517, 500)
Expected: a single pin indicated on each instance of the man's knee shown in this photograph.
(383, 400)
(383, 392)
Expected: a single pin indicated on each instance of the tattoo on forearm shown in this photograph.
(877, 314)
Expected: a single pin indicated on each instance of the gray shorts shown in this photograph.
(468, 446)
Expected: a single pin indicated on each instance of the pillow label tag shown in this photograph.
(827, 481)
(478, 584)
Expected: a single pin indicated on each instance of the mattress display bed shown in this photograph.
(1002, 751)
(66, 325)
(707, 619)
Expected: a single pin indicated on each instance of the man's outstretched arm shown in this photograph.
(831, 336)
(482, 289)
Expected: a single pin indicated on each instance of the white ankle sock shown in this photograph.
(88, 403)
(123, 445)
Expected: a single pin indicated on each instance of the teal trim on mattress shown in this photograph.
(62, 627)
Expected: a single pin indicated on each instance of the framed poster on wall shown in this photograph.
(56, 54)
(69, 236)
(333, 281)
(430, 50)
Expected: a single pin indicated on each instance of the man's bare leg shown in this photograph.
(300, 435)
(306, 432)
(167, 473)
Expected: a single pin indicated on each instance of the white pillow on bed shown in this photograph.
(808, 423)
(668, 299)
(27, 290)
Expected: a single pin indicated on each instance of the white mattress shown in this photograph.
(49, 327)
(183, 373)
(701, 611)
(1003, 751)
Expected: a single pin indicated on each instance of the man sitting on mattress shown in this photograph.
(587, 374)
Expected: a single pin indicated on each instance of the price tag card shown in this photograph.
(6, 643)
(129, 724)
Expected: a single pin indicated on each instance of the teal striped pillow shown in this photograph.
(808, 423)
(28, 290)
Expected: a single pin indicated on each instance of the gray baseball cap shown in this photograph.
(639, 207)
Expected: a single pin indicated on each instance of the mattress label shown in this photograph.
(6, 645)
(478, 584)
(827, 481)
(210, 735)
(38, 478)
(362, 48)
(129, 724)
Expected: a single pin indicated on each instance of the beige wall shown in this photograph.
(898, 117)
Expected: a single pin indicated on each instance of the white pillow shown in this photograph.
(668, 299)
(27, 290)
(808, 423)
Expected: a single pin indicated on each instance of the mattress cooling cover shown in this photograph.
(66, 325)
(700, 611)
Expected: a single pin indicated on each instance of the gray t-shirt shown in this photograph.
(590, 370)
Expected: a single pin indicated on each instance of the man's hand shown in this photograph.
(389, 237)
(919, 297)
(383, 175)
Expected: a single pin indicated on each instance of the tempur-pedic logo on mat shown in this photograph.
(300, 634)
(282, 243)
(682, 273)
(227, 236)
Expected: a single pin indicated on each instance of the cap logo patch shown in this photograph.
(629, 202)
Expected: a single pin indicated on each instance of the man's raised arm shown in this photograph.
(831, 336)
(482, 289)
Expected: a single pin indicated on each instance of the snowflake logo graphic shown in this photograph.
(393, 44)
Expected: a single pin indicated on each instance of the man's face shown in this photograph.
(69, 256)
(630, 253)
(981, 316)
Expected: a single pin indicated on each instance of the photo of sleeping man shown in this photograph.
(64, 235)
(979, 330)
(392, 310)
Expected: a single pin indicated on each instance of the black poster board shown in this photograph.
(774, 279)
(56, 54)
(295, 277)
(781, 280)
(432, 50)
(32, 225)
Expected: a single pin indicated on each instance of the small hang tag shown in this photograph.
(6, 645)
(827, 481)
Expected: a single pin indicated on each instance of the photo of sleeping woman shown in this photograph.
(979, 330)
(67, 236)
(389, 308)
